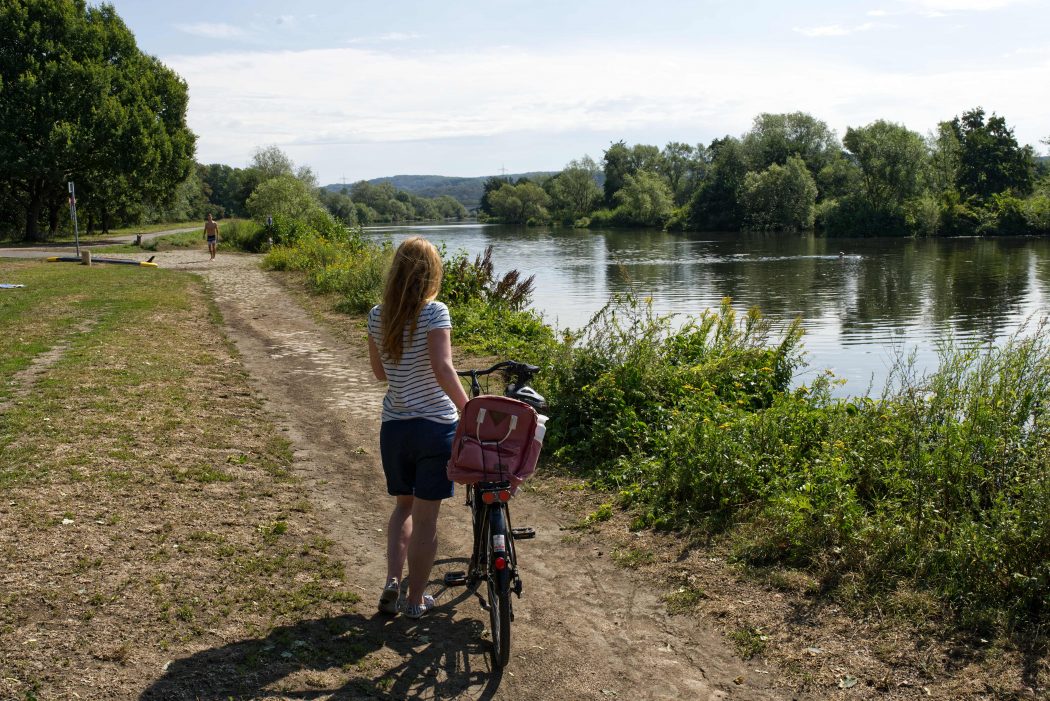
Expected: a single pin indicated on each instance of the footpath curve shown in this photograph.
(584, 628)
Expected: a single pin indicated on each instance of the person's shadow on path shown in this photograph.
(438, 659)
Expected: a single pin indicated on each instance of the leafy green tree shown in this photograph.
(449, 207)
(574, 192)
(677, 161)
(271, 162)
(990, 159)
(285, 196)
(714, 206)
(645, 198)
(223, 186)
(617, 163)
(779, 198)
(646, 157)
(79, 101)
(339, 205)
(892, 160)
(774, 138)
(517, 204)
(492, 184)
(945, 159)
(841, 177)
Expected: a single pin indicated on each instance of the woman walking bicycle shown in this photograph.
(409, 345)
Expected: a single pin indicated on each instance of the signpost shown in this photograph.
(73, 214)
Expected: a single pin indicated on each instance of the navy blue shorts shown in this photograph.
(415, 454)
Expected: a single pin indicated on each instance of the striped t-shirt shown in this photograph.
(412, 390)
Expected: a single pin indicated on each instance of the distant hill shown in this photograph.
(466, 190)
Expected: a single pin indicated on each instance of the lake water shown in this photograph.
(863, 301)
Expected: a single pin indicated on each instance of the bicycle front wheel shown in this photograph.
(498, 582)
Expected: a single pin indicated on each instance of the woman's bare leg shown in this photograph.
(398, 535)
(422, 547)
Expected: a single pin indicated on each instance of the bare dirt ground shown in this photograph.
(585, 627)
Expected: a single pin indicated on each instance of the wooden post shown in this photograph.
(85, 257)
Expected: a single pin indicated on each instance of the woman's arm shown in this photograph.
(439, 348)
(375, 360)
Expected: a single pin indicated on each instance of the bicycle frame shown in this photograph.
(481, 515)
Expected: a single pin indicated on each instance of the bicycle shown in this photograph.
(494, 559)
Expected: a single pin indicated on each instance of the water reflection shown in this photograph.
(864, 301)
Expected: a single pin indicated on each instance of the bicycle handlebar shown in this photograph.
(509, 365)
(520, 374)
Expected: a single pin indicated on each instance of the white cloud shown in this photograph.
(835, 30)
(339, 101)
(385, 38)
(210, 30)
(938, 6)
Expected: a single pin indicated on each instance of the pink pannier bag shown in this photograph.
(496, 440)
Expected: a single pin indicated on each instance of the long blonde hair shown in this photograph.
(414, 279)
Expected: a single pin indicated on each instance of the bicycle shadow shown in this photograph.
(436, 657)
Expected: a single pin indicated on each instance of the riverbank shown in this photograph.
(601, 596)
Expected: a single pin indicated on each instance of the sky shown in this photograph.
(359, 90)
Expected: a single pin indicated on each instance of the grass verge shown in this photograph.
(148, 506)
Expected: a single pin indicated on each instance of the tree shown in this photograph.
(574, 192)
(449, 207)
(714, 206)
(285, 196)
(271, 162)
(339, 205)
(945, 153)
(990, 159)
(776, 137)
(492, 184)
(645, 198)
(892, 161)
(677, 160)
(223, 184)
(517, 204)
(617, 163)
(79, 101)
(779, 198)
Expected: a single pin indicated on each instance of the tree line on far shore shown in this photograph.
(790, 172)
(80, 102)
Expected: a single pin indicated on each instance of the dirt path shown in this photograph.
(584, 629)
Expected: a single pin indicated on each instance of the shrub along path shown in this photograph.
(584, 629)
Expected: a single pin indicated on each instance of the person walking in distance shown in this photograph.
(211, 233)
(410, 347)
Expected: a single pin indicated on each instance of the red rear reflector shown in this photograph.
(504, 495)
(501, 563)
(488, 497)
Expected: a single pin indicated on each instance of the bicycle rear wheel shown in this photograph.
(498, 548)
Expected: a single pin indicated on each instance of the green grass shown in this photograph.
(64, 237)
(684, 599)
(133, 449)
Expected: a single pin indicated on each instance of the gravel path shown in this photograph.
(584, 628)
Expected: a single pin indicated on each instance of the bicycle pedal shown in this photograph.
(455, 579)
(523, 533)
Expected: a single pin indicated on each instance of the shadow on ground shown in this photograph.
(433, 665)
(436, 657)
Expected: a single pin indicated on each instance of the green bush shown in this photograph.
(941, 482)
(621, 380)
(1036, 211)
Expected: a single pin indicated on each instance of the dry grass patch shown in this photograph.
(149, 511)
